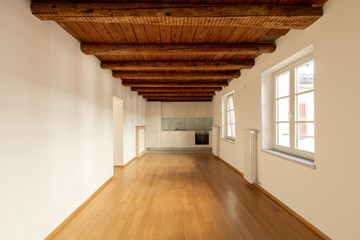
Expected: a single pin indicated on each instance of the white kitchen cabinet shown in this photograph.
(203, 109)
(153, 139)
(167, 139)
(199, 109)
(186, 110)
(191, 138)
(181, 139)
(191, 110)
(180, 109)
(210, 109)
(153, 124)
(167, 110)
(153, 116)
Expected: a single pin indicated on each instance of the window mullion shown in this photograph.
(292, 109)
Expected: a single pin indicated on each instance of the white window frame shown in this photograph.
(292, 149)
(225, 117)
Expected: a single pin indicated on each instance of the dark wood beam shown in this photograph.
(178, 94)
(235, 15)
(179, 65)
(177, 75)
(177, 49)
(181, 89)
(175, 80)
(178, 98)
(173, 85)
(318, 3)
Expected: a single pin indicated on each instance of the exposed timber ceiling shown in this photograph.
(178, 50)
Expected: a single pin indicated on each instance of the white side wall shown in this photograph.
(56, 144)
(118, 131)
(329, 196)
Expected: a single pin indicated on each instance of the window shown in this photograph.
(229, 117)
(294, 121)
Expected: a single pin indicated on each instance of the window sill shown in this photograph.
(228, 140)
(298, 160)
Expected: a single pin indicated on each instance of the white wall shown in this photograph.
(142, 140)
(329, 196)
(56, 144)
(118, 131)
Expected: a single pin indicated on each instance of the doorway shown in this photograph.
(118, 130)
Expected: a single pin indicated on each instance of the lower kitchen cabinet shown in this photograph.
(181, 139)
(167, 139)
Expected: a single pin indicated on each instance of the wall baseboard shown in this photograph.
(230, 166)
(281, 204)
(171, 149)
(76, 212)
(121, 166)
(129, 162)
(292, 212)
(142, 154)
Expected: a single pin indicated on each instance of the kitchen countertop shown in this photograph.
(186, 130)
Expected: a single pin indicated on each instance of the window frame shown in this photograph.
(292, 150)
(226, 121)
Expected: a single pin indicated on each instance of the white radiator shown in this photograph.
(250, 155)
(216, 140)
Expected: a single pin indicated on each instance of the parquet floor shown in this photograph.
(182, 196)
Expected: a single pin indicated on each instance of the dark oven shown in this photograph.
(201, 138)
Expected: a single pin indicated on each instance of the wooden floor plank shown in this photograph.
(182, 196)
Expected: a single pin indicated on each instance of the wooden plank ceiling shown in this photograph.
(178, 50)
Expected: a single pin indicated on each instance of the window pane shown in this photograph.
(283, 84)
(305, 107)
(305, 77)
(228, 120)
(282, 134)
(232, 116)
(305, 136)
(230, 103)
(233, 130)
(228, 130)
(283, 108)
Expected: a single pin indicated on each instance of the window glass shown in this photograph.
(283, 134)
(229, 116)
(233, 130)
(294, 125)
(305, 136)
(283, 84)
(305, 107)
(305, 77)
(283, 109)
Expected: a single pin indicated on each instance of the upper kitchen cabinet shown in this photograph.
(167, 110)
(186, 110)
(153, 116)
(203, 109)
(191, 110)
(181, 110)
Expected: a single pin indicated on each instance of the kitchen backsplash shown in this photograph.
(176, 124)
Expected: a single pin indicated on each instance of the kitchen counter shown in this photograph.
(186, 130)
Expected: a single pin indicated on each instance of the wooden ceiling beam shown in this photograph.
(179, 94)
(177, 75)
(235, 15)
(173, 85)
(178, 98)
(179, 65)
(181, 89)
(176, 49)
(176, 80)
(318, 3)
